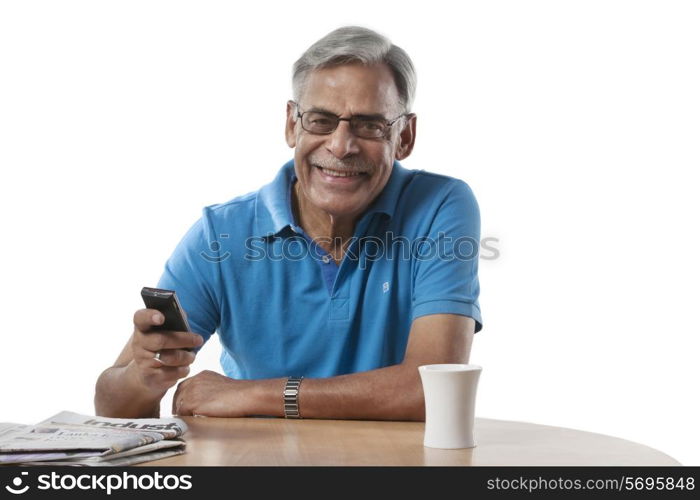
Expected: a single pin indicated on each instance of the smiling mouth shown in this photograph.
(339, 173)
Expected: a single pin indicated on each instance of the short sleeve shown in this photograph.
(193, 272)
(446, 261)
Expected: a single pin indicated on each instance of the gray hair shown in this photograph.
(353, 44)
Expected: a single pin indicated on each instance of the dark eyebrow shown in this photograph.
(375, 116)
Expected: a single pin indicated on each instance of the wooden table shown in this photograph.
(272, 441)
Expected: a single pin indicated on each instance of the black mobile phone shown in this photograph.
(166, 302)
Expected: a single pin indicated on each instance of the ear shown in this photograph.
(290, 125)
(407, 137)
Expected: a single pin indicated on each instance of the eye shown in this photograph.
(370, 125)
(321, 121)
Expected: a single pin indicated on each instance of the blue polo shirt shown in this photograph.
(281, 305)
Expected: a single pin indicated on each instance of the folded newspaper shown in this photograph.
(79, 440)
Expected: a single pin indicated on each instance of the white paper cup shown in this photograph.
(450, 397)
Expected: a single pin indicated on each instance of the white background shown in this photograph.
(575, 123)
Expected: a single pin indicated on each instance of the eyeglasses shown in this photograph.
(367, 127)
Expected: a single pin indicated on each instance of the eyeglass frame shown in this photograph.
(388, 123)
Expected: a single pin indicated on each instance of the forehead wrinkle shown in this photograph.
(344, 92)
(320, 109)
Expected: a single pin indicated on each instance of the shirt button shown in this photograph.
(326, 259)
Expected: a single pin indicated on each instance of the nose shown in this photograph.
(342, 142)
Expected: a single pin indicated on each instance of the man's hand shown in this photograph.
(158, 375)
(135, 384)
(211, 394)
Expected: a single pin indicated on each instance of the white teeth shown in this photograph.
(336, 173)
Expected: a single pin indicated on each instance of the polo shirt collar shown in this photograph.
(273, 203)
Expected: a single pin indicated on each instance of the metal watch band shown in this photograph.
(291, 397)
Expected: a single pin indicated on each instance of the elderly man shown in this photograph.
(330, 285)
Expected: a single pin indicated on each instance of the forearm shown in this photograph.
(391, 393)
(119, 393)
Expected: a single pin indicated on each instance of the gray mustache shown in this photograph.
(351, 165)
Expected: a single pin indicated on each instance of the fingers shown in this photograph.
(173, 349)
(173, 372)
(178, 400)
(162, 378)
(145, 319)
(179, 408)
(154, 341)
(158, 341)
(174, 357)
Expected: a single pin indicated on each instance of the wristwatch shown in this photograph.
(291, 397)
